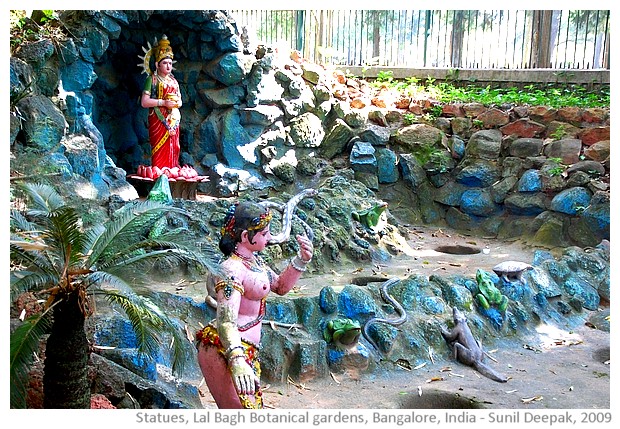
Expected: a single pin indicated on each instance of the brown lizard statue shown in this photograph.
(467, 350)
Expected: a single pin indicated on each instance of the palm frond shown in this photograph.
(149, 252)
(29, 256)
(25, 281)
(143, 321)
(43, 198)
(128, 228)
(150, 324)
(19, 222)
(65, 235)
(179, 346)
(91, 236)
(25, 341)
(104, 279)
(28, 245)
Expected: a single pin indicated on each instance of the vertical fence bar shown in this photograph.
(575, 40)
(586, 36)
(525, 55)
(596, 55)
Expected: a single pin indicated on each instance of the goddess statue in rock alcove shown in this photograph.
(162, 96)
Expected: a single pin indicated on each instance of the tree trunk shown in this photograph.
(65, 375)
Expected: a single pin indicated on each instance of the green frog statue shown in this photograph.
(344, 333)
(370, 217)
(489, 296)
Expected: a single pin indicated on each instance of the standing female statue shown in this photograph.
(162, 97)
(228, 346)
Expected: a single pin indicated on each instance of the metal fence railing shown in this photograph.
(483, 39)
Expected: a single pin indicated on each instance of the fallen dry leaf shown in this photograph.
(532, 399)
(300, 386)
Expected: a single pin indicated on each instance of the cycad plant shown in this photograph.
(54, 256)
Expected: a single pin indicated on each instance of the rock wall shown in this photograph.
(254, 118)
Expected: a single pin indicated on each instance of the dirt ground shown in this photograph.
(566, 371)
(555, 370)
(575, 376)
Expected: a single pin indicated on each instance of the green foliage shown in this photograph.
(24, 29)
(24, 346)
(556, 171)
(386, 76)
(432, 157)
(51, 250)
(409, 118)
(433, 113)
(553, 94)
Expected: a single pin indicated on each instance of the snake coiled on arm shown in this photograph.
(390, 300)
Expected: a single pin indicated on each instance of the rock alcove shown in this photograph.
(197, 38)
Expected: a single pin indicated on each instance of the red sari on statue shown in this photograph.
(164, 122)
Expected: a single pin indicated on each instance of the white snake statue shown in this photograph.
(288, 212)
(389, 299)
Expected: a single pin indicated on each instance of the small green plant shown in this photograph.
(477, 123)
(409, 118)
(440, 161)
(385, 76)
(559, 133)
(452, 75)
(436, 110)
(556, 171)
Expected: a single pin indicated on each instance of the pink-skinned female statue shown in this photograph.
(228, 346)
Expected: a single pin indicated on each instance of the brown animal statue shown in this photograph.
(467, 350)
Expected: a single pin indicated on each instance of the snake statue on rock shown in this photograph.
(390, 300)
(288, 212)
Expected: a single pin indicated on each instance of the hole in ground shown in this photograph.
(458, 249)
(437, 399)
